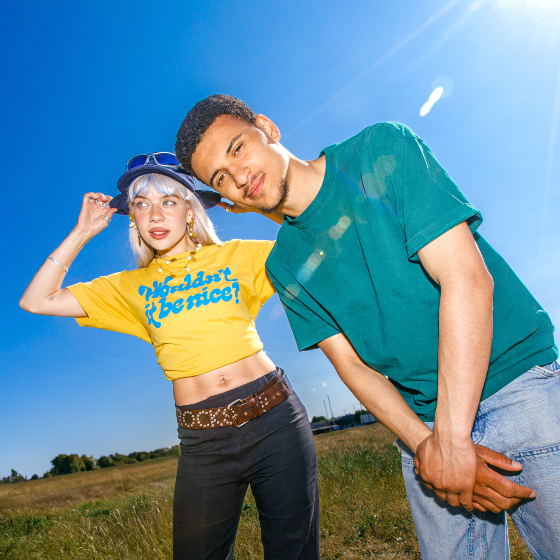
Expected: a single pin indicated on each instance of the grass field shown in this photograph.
(124, 513)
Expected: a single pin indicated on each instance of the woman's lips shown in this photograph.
(158, 233)
(256, 187)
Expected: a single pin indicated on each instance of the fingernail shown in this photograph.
(532, 495)
(516, 465)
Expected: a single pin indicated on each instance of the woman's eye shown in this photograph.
(169, 203)
(140, 204)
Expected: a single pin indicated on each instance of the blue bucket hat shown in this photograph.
(209, 199)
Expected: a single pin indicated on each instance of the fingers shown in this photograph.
(233, 208)
(95, 213)
(493, 501)
(495, 492)
(97, 198)
(497, 459)
(465, 499)
(227, 207)
(481, 506)
(488, 478)
(109, 214)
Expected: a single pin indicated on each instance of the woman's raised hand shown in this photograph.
(45, 295)
(95, 214)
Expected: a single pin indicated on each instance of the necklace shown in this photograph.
(191, 258)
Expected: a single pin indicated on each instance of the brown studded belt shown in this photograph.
(240, 411)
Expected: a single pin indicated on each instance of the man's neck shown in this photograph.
(304, 179)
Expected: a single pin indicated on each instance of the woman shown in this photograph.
(195, 300)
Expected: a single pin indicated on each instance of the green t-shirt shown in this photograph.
(349, 264)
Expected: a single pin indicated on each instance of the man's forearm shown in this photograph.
(447, 460)
(381, 398)
(375, 392)
(465, 343)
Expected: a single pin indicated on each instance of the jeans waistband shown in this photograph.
(223, 399)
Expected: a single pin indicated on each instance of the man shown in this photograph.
(379, 264)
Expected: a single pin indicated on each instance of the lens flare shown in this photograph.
(434, 97)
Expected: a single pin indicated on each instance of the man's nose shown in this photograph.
(241, 176)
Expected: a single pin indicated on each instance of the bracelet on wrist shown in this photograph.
(58, 263)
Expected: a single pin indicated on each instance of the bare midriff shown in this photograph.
(189, 390)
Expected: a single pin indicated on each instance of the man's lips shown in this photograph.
(256, 187)
(158, 233)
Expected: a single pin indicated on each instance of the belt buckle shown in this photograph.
(233, 415)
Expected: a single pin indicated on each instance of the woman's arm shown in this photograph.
(275, 216)
(44, 295)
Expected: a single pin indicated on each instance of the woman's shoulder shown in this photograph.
(251, 244)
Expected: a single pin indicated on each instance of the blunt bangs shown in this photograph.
(160, 183)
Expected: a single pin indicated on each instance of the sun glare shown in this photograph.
(529, 4)
(434, 97)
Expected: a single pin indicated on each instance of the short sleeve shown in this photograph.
(256, 253)
(309, 321)
(427, 201)
(106, 308)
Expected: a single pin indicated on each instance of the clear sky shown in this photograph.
(85, 86)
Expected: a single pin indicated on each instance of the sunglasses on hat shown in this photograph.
(165, 159)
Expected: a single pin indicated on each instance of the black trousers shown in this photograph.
(275, 454)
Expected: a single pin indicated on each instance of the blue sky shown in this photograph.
(88, 85)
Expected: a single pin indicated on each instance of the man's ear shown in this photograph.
(268, 127)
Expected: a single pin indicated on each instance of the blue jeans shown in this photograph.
(522, 421)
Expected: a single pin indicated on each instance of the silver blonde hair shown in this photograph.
(165, 185)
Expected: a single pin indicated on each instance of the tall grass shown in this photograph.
(125, 513)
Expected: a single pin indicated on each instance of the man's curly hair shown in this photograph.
(199, 119)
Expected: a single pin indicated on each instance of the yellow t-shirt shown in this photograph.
(199, 320)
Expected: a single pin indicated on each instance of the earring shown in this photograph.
(192, 233)
(133, 224)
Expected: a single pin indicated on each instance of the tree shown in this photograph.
(34, 477)
(104, 462)
(345, 420)
(89, 462)
(118, 459)
(66, 464)
(13, 478)
(358, 415)
(139, 455)
(161, 452)
(318, 419)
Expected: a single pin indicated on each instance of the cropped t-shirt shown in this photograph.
(197, 321)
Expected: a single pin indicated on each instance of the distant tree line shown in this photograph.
(16, 477)
(67, 464)
(353, 418)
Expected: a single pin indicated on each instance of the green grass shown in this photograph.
(125, 513)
